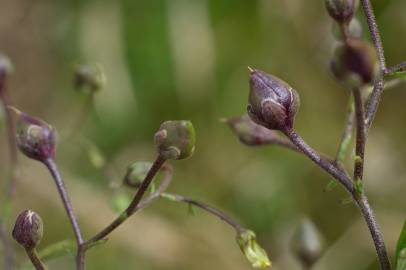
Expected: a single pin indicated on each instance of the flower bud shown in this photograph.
(341, 10)
(272, 102)
(176, 139)
(35, 138)
(136, 173)
(355, 62)
(307, 243)
(254, 253)
(250, 133)
(28, 229)
(6, 67)
(88, 77)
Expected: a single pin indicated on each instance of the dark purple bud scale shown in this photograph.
(272, 102)
(28, 229)
(35, 138)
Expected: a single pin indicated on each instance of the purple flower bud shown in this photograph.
(176, 139)
(28, 229)
(35, 138)
(341, 10)
(355, 62)
(272, 102)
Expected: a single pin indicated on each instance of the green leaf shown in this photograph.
(401, 261)
(401, 247)
(120, 202)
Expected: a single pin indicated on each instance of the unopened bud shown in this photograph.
(28, 229)
(341, 10)
(272, 102)
(355, 63)
(136, 173)
(254, 253)
(6, 67)
(250, 133)
(307, 243)
(35, 138)
(176, 139)
(89, 77)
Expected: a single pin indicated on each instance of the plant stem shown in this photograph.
(131, 209)
(328, 166)
(361, 136)
(373, 102)
(216, 212)
(398, 68)
(367, 213)
(347, 133)
(32, 254)
(53, 169)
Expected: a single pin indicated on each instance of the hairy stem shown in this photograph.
(326, 165)
(32, 254)
(361, 136)
(216, 212)
(53, 169)
(131, 209)
(367, 213)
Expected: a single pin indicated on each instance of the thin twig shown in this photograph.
(32, 254)
(361, 136)
(53, 169)
(398, 68)
(214, 211)
(347, 133)
(131, 209)
(325, 164)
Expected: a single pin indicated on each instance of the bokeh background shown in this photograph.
(187, 59)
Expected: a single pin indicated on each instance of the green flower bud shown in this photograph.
(307, 243)
(89, 77)
(176, 139)
(254, 253)
(136, 173)
(272, 103)
(355, 63)
(35, 138)
(28, 229)
(341, 10)
(250, 133)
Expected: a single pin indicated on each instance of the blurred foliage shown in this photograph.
(182, 59)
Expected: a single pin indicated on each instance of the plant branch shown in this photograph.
(347, 133)
(32, 254)
(361, 136)
(326, 165)
(398, 68)
(367, 213)
(216, 212)
(131, 209)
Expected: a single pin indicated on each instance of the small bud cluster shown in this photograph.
(272, 103)
(307, 243)
(35, 138)
(28, 229)
(136, 173)
(176, 139)
(88, 77)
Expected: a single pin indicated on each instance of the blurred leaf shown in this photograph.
(254, 253)
(380, 6)
(401, 246)
(401, 261)
(58, 249)
(120, 202)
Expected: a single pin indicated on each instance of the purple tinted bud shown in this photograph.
(35, 138)
(28, 229)
(272, 103)
(342, 11)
